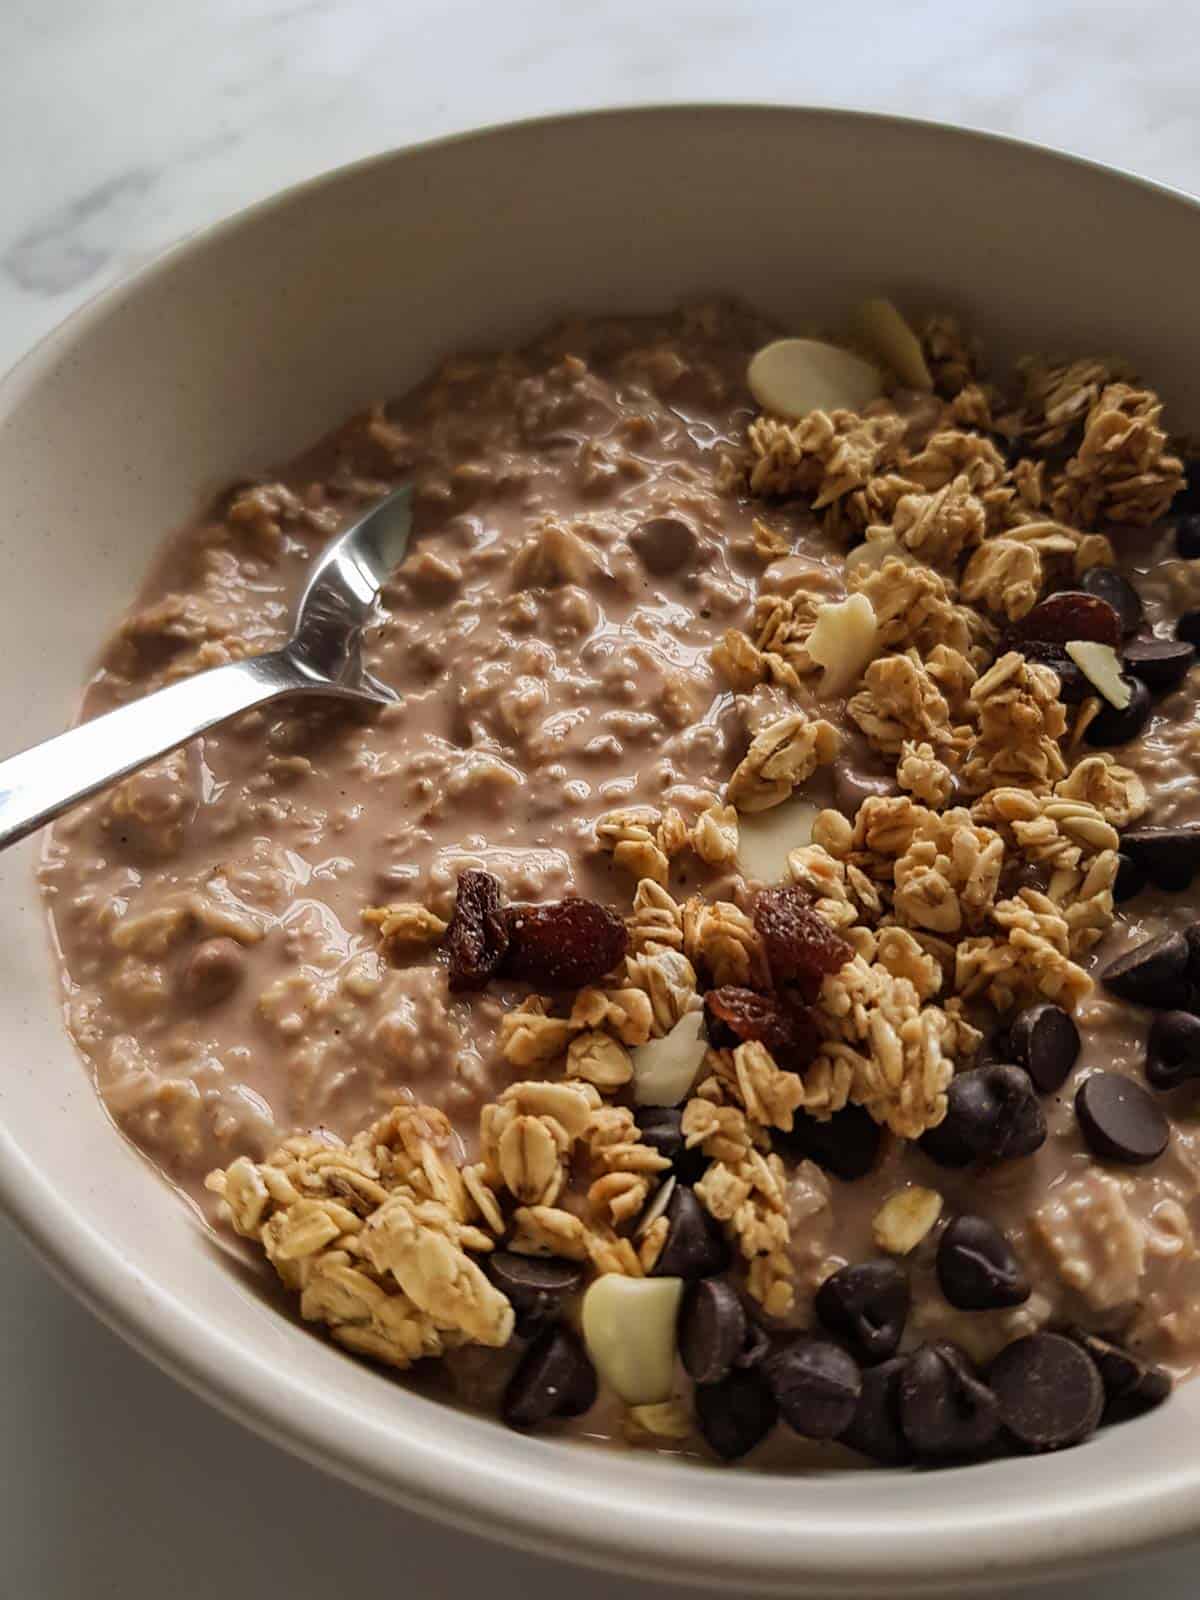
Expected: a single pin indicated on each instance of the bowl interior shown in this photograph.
(248, 342)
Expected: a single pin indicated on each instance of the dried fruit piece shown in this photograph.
(732, 1016)
(801, 946)
(563, 944)
(477, 938)
(791, 377)
(1073, 614)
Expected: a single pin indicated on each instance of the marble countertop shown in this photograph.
(125, 126)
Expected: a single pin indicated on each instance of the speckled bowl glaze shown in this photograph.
(254, 337)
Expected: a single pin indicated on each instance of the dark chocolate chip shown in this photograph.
(992, 1114)
(1151, 974)
(945, 1410)
(816, 1386)
(1169, 857)
(535, 1286)
(1130, 879)
(1188, 627)
(1110, 726)
(1187, 537)
(1108, 583)
(875, 1429)
(867, 1305)
(554, 1378)
(712, 1329)
(1074, 686)
(1119, 1120)
(1161, 664)
(1131, 1386)
(695, 1247)
(977, 1268)
(213, 971)
(737, 1413)
(662, 1130)
(846, 1144)
(664, 545)
(1173, 1049)
(1048, 1390)
(1045, 1041)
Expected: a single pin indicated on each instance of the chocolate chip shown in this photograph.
(1108, 583)
(737, 1413)
(867, 1305)
(1111, 726)
(1187, 537)
(695, 1246)
(945, 1411)
(663, 545)
(1045, 1041)
(712, 1330)
(1131, 1386)
(875, 1429)
(846, 1144)
(1188, 627)
(1169, 857)
(1151, 974)
(1074, 686)
(816, 1387)
(977, 1268)
(554, 1378)
(1173, 1049)
(992, 1114)
(535, 1286)
(1048, 1390)
(1161, 664)
(1130, 879)
(1120, 1121)
(212, 972)
(662, 1130)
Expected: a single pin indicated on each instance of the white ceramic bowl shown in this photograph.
(245, 343)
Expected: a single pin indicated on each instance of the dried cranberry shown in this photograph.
(801, 946)
(477, 937)
(563, 944)
(1073, 614)
(733, 1016)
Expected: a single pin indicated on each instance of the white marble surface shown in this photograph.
(124, 125)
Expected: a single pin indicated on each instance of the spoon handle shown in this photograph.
(40, 784)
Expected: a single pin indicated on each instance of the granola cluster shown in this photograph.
(977, 884)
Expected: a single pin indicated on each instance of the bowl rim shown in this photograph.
(965, 1554)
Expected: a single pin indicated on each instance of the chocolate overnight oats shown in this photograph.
(744, 998)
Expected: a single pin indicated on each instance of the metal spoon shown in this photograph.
(323, 656)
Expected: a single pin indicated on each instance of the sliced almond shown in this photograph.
(1100, 666)
(904, 1219)
(767, 839)
(888, 337)
(842, 642)
(792, 377)
(665, 1069)
(629, 1329)
(659, 1203)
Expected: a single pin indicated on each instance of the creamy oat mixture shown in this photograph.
(781, 694)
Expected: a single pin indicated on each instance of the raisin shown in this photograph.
(563, 944)
(801, 946)
(1073, 614)
(733, 1016)
(477, 937)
